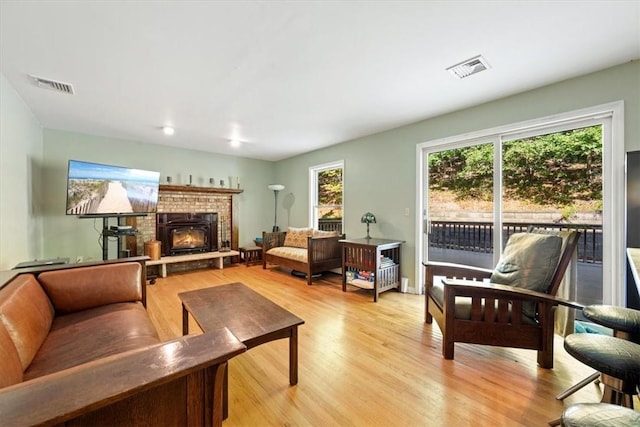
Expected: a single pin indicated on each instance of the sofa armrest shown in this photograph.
(272, 240)
(166, 382)
(323, 248)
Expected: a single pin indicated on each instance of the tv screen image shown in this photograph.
(105, 190)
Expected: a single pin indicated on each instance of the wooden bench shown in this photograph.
(217, 257)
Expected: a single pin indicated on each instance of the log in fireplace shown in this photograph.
(184, 232)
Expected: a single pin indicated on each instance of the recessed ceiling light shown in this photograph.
(168, 130)
(235, 143)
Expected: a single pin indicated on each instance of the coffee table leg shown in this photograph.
(185, 321)
(225, 394)
(293, 356)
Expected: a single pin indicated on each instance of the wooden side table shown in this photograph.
(250, 254)
(380, 257)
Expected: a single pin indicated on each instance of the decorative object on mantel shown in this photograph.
(222, 183)
(190, 180)
(196, 189)
(168, 180)
(276, 189)
(368, 218)
(212, 181)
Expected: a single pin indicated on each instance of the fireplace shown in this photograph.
(185, 233)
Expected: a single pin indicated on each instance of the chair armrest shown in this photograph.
(74, 392)
(470, 288)
(449, 269)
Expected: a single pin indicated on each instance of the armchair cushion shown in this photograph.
(297, 237)
(529, 261)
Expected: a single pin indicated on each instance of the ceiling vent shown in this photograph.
(469, 67)
(53, 85)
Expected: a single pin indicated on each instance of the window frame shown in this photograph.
(313, 189)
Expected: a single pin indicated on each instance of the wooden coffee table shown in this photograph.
(252, 318)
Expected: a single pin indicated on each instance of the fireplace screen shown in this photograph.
(183, 233)
(189, 238)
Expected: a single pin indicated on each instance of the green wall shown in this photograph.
(380, 170)
(20, 183)
(70, 236)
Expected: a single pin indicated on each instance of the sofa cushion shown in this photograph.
(10, 365)
(298, 237)
(296, 254)
(27, 315)
(321, 234)
(92, 334)
(88, 287)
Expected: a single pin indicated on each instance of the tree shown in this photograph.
(330, 191)
(557, 168)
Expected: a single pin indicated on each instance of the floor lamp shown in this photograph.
(276, 189)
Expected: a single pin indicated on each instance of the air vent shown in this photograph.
(469, 67)
(53, 85)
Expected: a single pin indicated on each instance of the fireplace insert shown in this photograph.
(185, 233)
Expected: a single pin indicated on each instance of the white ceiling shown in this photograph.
(288, 77)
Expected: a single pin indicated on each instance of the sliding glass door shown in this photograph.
(460, 208)
(478, 190)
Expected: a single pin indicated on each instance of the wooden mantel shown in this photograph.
(193, 189)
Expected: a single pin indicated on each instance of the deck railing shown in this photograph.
(478, 236)
(330, 225)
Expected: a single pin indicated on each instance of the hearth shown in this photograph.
(184, 233)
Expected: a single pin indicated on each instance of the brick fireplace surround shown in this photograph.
(174, 199)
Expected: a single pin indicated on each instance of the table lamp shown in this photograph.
(368, 218)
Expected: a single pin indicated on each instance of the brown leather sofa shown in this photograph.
(77, 346)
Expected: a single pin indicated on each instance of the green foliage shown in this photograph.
(330, 192)
(557, 168)
(330, 187)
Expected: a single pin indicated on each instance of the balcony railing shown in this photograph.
(330, 225)
(478, 236)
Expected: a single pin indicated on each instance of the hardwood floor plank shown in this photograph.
(365, 363)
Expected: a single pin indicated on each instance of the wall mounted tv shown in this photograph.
(100, 190)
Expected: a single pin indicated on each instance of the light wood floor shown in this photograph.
(371, 364)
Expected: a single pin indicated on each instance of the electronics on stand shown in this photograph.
(123, 229)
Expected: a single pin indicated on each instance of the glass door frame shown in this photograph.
(611, 117)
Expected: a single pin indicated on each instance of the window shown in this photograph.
(503, 167)
(325, 196)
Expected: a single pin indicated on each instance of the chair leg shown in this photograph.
(568, 392)
(556, 422)
(545, 359)
(447, 348)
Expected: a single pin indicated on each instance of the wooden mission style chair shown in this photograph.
(516, 307)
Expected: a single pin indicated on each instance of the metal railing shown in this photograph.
(330, 225)
(478, 236)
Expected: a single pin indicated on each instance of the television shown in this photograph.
(94, 189)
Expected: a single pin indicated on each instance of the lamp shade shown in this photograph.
(368, 218)
(275, 187)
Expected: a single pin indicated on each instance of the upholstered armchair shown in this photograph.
(512, 305)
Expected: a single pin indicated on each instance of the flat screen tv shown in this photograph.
(94, 189)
